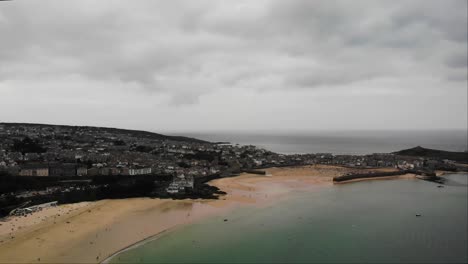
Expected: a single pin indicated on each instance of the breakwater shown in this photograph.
(422, 174)
(260, 172)
(354, 176)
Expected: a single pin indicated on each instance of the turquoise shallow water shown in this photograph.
(363, 222)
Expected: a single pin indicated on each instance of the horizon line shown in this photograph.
(241, 130)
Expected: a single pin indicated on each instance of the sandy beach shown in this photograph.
(90, 232)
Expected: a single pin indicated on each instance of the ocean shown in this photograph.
(362, 222)
(343, 142)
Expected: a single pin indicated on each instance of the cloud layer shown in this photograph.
(201, 65)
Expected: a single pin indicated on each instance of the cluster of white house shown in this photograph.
(180, 184)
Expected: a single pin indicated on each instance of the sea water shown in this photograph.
(343, 142)
(385, 221)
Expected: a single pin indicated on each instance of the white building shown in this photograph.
(179, 184)
(139, 171)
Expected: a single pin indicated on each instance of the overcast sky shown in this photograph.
(242, 65)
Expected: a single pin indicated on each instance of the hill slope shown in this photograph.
(434, 153)
(135, 133)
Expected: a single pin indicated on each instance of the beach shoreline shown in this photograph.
(139, 243)
(97, 231)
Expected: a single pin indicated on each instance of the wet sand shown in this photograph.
(90, 232)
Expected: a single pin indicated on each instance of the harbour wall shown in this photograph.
(354, 176)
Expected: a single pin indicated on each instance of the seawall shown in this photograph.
(348, 177)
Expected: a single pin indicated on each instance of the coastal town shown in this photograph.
(88, 158)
